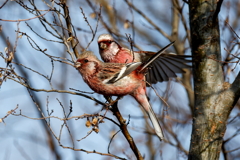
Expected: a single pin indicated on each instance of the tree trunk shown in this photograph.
(213, 98)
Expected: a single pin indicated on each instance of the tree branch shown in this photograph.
(123, 127)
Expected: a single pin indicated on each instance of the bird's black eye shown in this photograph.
(85, 60)
(110, 42)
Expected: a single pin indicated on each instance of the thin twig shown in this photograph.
(20, 20)
(112, 139)
(8, 113)
(4, 3)
(131, 46)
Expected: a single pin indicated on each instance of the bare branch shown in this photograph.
(20, 20)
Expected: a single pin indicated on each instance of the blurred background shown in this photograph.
(40, 81)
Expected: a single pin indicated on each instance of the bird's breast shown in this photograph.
(125, 86)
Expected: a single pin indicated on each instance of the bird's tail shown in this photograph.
(155, 123)
(143, 101)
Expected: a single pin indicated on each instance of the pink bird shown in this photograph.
(119, 79)
(164, 67)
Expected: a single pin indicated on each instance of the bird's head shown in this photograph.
(107, 46)
(87, 62)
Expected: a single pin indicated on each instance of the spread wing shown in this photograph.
(166, 66)
(162, 66)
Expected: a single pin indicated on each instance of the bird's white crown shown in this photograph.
(105, 37)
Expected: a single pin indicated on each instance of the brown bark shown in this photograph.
(123, 127)
(214, 98)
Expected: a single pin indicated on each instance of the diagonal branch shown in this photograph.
(123, 127)
(69, 27)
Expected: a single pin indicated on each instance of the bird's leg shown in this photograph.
(111, 101)
(118, 98)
